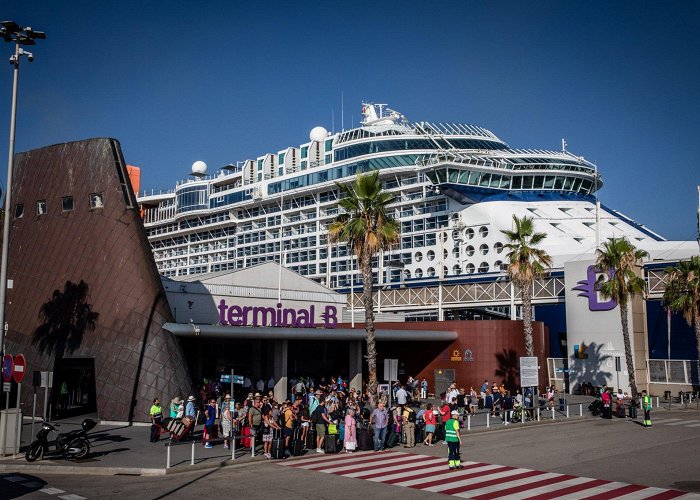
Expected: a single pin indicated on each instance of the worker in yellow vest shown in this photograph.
(646, 406)
(454, 440)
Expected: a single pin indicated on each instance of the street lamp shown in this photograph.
(11, 32)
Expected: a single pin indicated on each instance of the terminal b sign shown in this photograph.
(279, 316)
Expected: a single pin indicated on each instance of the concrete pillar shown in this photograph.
(355, 368)
(281, 353)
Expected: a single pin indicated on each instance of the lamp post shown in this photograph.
(13, 33)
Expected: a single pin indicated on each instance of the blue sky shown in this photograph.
(226, 81)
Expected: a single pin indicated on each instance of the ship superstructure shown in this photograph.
(456, 187)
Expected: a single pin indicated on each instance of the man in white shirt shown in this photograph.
(401, 396)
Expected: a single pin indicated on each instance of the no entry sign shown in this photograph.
(7, 367)
(20, 368)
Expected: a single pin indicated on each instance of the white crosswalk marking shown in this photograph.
(475, 480)
(51, 491)
(72, 497)
(666, 420)
(694, 425)
(15, 479)
(684, 422)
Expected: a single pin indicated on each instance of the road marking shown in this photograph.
(694, 425)
(15, 479)
(51, 491)
(33, 484)
(476, 480)
(666, 420)
(72, 497)
(683, 422)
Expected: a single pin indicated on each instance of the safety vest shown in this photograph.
(646, 402)
(450, 432)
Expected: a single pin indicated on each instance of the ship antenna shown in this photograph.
(563, 145)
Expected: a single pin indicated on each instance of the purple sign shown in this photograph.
(276, 316)
(589, 289)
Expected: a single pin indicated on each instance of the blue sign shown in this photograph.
(7, 368)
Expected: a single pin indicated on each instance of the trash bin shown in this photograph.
(667, 395)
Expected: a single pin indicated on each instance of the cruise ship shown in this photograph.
(456, 186)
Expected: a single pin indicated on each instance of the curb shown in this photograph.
(72, 469)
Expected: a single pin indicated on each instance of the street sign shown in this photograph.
(529, 373)
(7, 368)
(20, 368)
(238, 379)
(6, 386)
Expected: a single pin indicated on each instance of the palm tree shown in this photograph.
(526, 263)
(620, 258)
(682, 294)
(367, 227)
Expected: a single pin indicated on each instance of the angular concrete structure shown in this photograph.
(86, 297)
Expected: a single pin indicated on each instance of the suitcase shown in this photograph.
(277, 450)
(633, 410)
(392, 440)
(297, 446)
(364, 440)
(331, 444)
(311, 438)
(620, 411)
(607, 412)
(246, 437)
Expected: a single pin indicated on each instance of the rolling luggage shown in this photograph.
(620, 411)
(607, 412)
(277, 450)
(311, 438)
(331, 444)
(392, 440)
(364, 440)
(297, 444)
(246, 437)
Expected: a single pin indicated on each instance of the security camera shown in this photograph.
(30, 56)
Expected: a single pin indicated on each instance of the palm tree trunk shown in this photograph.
(527, 318)
(368, 302)
(697, 338)
(628, 348)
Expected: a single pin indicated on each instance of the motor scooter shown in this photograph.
(73, 444)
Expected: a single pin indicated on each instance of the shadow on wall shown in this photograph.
(592, 366)
(66, 318)
(508, 369)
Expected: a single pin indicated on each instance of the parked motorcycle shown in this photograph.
(73, 444)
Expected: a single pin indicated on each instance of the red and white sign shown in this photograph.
(20, 368)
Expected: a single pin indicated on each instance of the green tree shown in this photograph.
(682, 294)
(366, 227)
(622, 258)
(526, 263)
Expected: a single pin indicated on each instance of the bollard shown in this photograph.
(567, 411)
(580, 410)
(167, 463)
(522, 415)
(505, 418)
(538, 413)
(252, 442)
(192, 458)
(469, 422)
(657, 401)
(488, 416)
(233, 446)
(552, 413)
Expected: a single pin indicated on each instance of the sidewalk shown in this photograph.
(126, 450)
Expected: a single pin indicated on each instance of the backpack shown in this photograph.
(410, 415)
(316, 415)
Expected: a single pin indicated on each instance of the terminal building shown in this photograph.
(88, 302)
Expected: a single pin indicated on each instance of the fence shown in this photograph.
(673, 371)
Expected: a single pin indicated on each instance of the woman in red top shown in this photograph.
(430, 422)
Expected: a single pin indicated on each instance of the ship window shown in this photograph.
(19, 210)
(455, 252)
(549, 182)
(67, 203)
(469, 233)
(431, 255)
(484, 267)
(445, 254)
(559, 183)
(418, 273)
(406, 274)
(304, 151)
(469, 251)
(517, 182)
(498, 247)
(484, 231)
(430, 272)
(499, 265)
(527, 182)
(418, 256)
(484, 249)
(280, 158)
(96, 201)
(41, 207)
(456, 270)
(538, 182)
(470, 268)
(568, 182)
